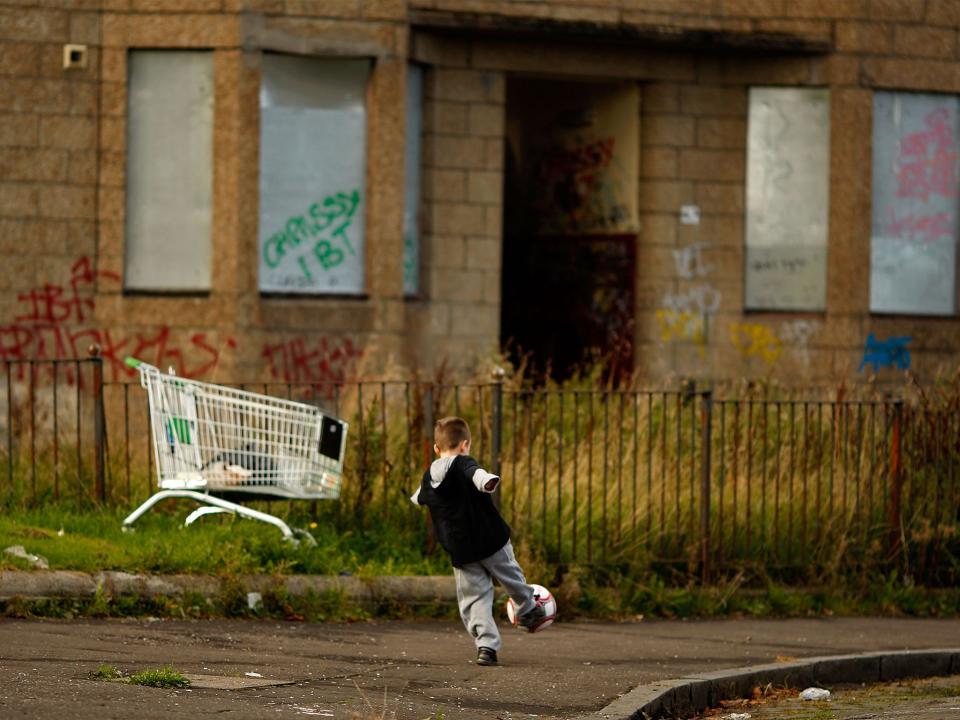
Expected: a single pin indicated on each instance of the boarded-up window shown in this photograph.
(411, 203)
(312, 159)
(788, 151)
(169, 170)
(915, 189)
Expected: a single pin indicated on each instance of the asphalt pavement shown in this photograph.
(403, 670)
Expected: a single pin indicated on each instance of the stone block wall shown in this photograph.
(63, 160)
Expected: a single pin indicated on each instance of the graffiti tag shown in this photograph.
(755, 340)
(891, 352)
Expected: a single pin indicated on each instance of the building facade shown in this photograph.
(318, 190)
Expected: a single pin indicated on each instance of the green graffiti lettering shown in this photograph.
(302, 262)
(273, 249)
(327, 255)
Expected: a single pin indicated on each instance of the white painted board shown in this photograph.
(312, 175)
(913, 258)
(169, 170)
(788, 186)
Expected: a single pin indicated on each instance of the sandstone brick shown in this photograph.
(75, 133)
(19, 59)
(32, 25)
(447, 251)
(667, 196)
(835, 69)
(458, 285)
(903, 10)
(922, 41)
(720, 230)
(828, 9)
(752, 8)
(114, 65)
(453, 151)
(34, 95)
(711, 164)
(669, 130)
(320, 8)
(83, 98)
(33, 164)
(448, 185)
(658, 163)
(111, 237)
(485, 187)
(721, 132)
(492, 221)
(113, 99)
(705, 100)
(457, 219)
(483, 253)
(84, 28)
(476, 320)
(943, 12)
(586, 13)
(440, 50)
(767, 71)
(82, 167)
(873, 38)
(18, 129)
(113, 133)
(18, 200)
(112, 204)
(445, 117)
(723, 198)
(493, 153)
(67, 202)
(659, 228)
(486, 120)
(171, 30)
(383, 9)
(821, 30)
(466, 86)
(935, 75)
(660, 98)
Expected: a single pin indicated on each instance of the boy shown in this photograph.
(458, 492)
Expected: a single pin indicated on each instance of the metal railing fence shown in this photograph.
(604, 476)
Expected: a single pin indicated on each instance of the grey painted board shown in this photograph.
(313, 133)
(788, 178)
(169, 170)
(411, 206)
(913, 258)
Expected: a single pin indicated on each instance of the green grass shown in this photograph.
(107, 672)
(93, 540)
(165, 677)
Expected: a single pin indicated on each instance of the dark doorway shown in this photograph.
(569, 235)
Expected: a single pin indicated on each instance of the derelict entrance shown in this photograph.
(570, 224)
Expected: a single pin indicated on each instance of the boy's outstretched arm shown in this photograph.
(482, 480)
(415, 498)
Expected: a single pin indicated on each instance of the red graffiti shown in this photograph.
(51, 327)
(323, 361)
(928, 160)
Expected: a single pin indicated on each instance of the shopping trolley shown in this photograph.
(221, 446)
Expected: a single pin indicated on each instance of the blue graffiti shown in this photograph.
(887, 353)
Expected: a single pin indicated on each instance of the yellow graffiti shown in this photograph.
(688, 326)
(755, 340)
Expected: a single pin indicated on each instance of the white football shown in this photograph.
(545, 600)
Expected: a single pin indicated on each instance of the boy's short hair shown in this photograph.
(449, 432)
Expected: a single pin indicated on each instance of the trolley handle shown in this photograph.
(145, 368)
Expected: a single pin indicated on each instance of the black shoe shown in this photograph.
(486, 656)
(532, 618)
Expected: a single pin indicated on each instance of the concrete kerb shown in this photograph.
(38, 585)
(695, 693)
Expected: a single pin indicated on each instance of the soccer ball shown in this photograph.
(545, 600)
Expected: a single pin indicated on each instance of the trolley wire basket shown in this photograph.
(220, 446)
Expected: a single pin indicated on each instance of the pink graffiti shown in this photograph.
(928, 160)
(321, 361)
(928, 228)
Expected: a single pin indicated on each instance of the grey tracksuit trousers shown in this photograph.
(475, 593)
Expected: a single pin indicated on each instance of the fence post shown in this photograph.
(894, 509)
(706, 424)
(99, 425)
(496, 428)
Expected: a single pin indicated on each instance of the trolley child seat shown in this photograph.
(220, 446)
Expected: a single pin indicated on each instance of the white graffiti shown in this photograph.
(699, 300)
(689, 262)
(798, 333)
